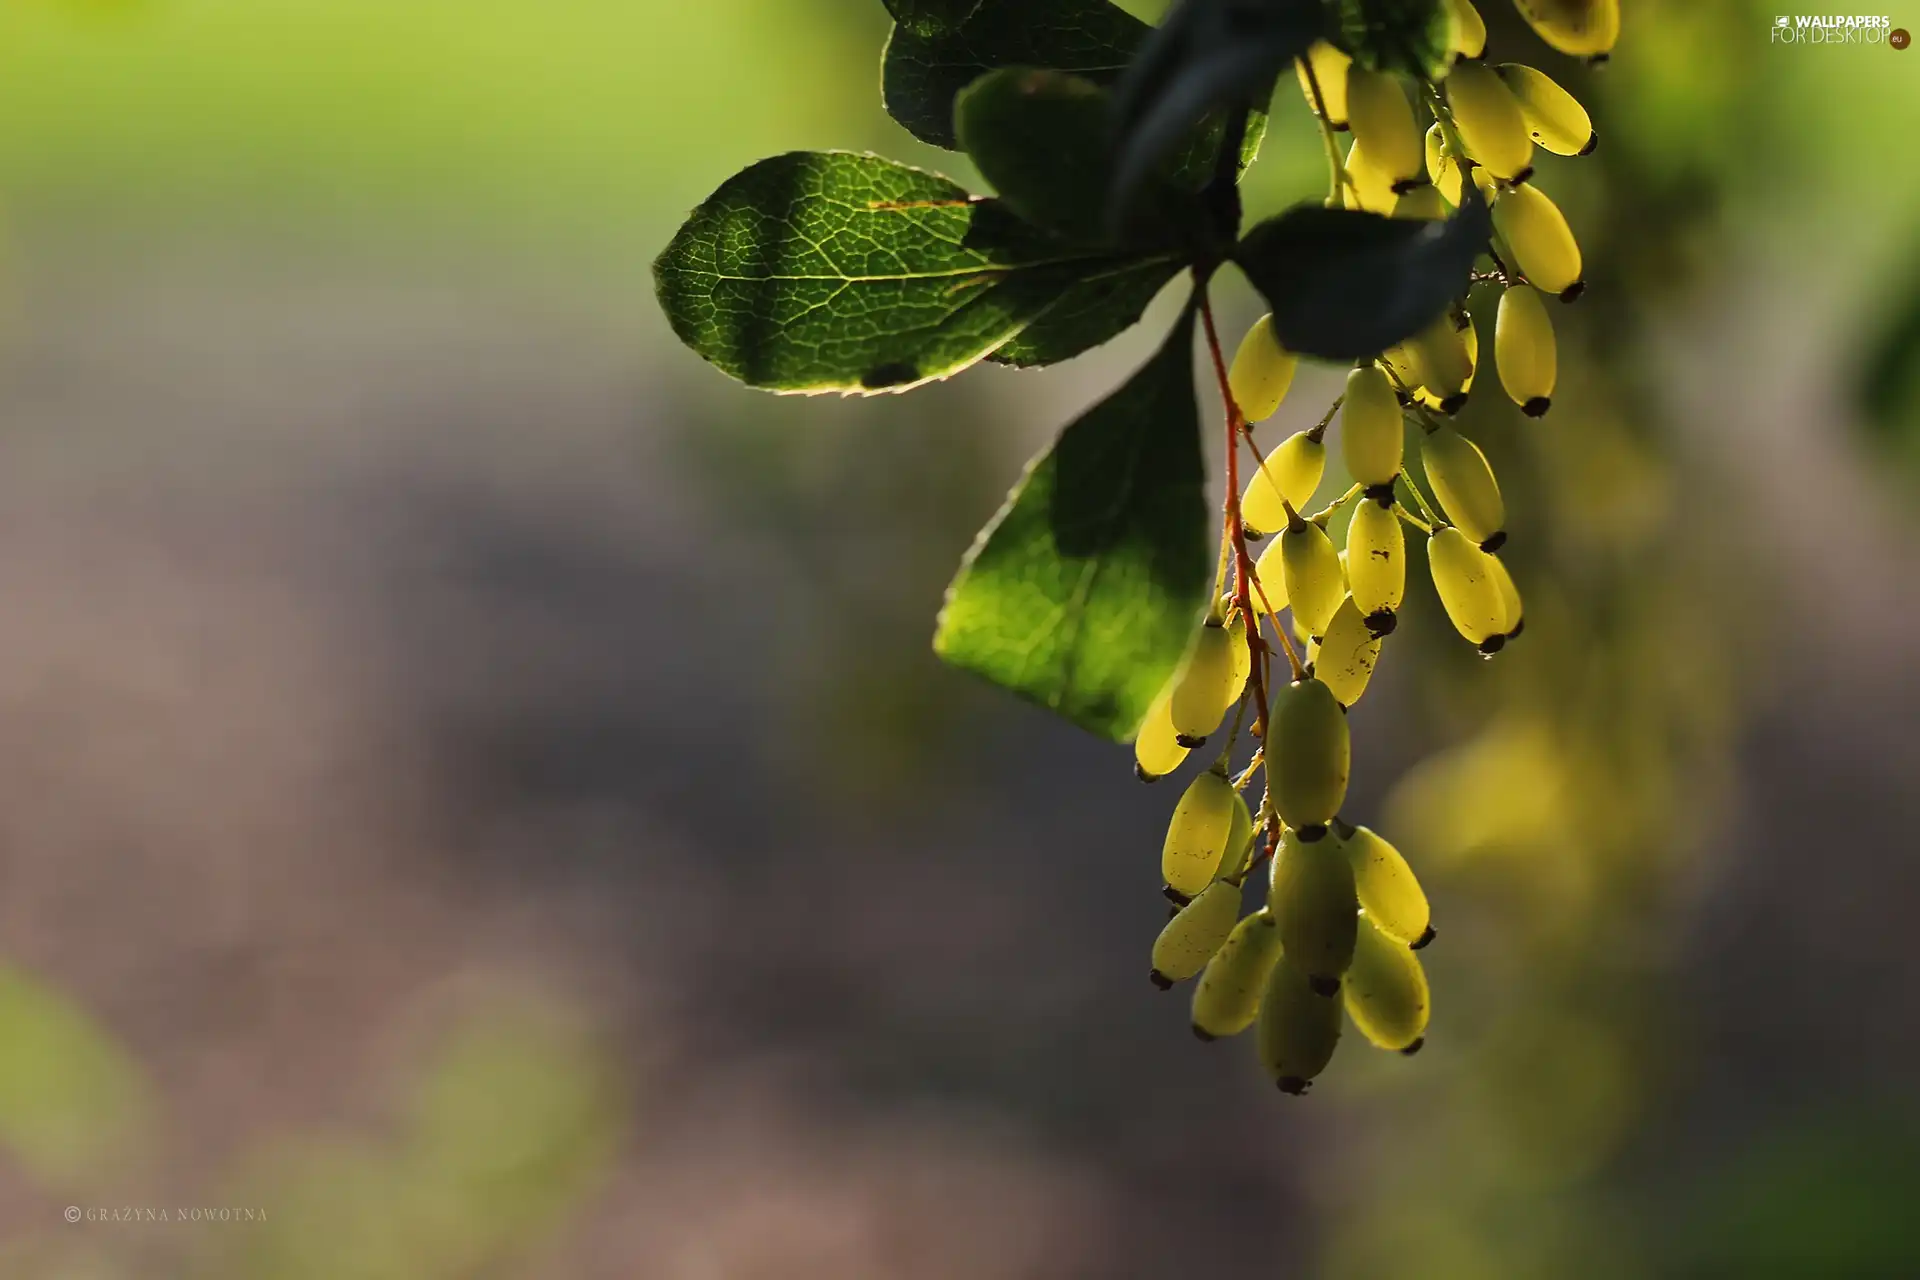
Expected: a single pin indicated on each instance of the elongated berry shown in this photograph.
(1262, 372)
(1242, 657)
(1490, 121)
(1271, 577)
(1228, 996)
(1372, 428)
(1195, 933)
(1512, 610)
(1385, 990)
(1382, 122)
(1440, 362)
(1311, 566)
(1465, 485)
(1386, 886)
(1239, 841)
(1330, 70)
(1348, 652)
(1290, 475)
(1371, 186)
(1311, 894)
(1197, 836)
(1465, 583)
(1156, 749)
(1209, 685)
(1469, 335)
(1469, 29)
(1578, 28)
(1298, 1030)
(1555, 117)
(1377, 563)
(1542, 243)
(1525, 350)
(1309, 754)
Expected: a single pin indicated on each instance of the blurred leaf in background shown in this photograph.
(1887, 393)
(514, 1121)
(75, 1106)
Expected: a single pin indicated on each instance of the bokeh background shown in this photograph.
(476, 799)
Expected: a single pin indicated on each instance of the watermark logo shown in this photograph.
(164, 1213)
(1837, 29)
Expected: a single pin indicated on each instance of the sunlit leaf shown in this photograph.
(1083, 593)
(828, 271)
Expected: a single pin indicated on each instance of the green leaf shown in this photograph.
(1096, 310)
(1211, 56)
(1044, 140)
(931, 17)
(828, 271)
(1041, 139)
(922, 74)
(1413, 37)
(1193, 163)
(1346, 285)
(1887, 388)
(1083, 593)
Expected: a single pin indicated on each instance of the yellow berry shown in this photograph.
(1468, 591)
(1525, 349)
(1465, 485)
(1377, 562)
(1385, 990)
(1228, 996)
(1372, 429)
(1490, 121)
(1262, 371)
(1382, 121)
(1555, 117)
(1156, 748)
(1309, 753)
(1195, 933)
(1542, 243)
(1288, 476)
(1330, 70)
(1197, 836)
(1298, 1027)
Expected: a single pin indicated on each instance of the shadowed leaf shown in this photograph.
(922, 74)
(1346, 285)
(1211, 57)
(931, 17)
(1096, 310)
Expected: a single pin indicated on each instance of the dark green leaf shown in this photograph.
(922, 74)
(828, 271)
(1346, 285)
(1096, 310)
(1413, 37)
(931, 17)
(1044, 140)
(1888, 390)
(1083, 593)
(1041, 138)
(1210, 56)
(1193, 163)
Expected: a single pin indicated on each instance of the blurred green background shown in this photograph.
(479, 802)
